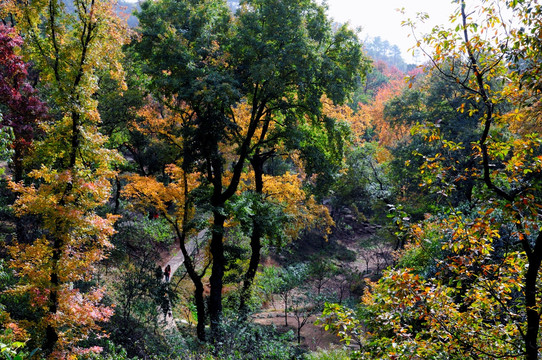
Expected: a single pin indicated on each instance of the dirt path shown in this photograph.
(175, 261)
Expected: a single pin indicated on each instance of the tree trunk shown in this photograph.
(255, 246)
(217, 273)
(51, 334)
(21, 230)
(196, 280)
(533, 315)
(200, 311)
(255, 241)
(286, 309)
(117, 194)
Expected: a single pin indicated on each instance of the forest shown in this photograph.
(220, 180)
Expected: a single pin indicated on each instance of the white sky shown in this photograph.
(380, 18)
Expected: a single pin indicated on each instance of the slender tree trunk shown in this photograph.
(217, 273)
(255, 241)
(286, 309)
(20, 229)
(198, 295)
(255, 246)
(17, 163)
(200, 310)
(117, 194)
(196, 279)
(51, 335)
(533, 314)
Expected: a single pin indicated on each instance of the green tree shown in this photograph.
(280, 57)
(432, 104)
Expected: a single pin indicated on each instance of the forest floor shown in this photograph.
(346, 245)
(313, 337)
(349, 249)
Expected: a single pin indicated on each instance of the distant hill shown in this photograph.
(381, 50)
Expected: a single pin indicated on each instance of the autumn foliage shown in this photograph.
(23, 108)
(234, 135)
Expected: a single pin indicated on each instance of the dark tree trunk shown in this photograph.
(51, 334)
(533, 314)
(286, 309)
(255, 241)
(255, 246)
(117, 194)
(20, 229)
(196, 280)
(200, 310)
(217, 273)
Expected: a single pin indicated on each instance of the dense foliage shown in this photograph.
(281, 169)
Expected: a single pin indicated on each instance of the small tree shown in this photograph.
(303, 305)
(282, 281)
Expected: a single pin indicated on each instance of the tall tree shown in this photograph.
(183, 53)
(476, 62)
(467, 286)
(173, 201)
(287, 57)
(69, 49)
(279, 56)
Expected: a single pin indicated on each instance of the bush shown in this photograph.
(15, 350)
(332, 354)
(248, 341)
(110, 352)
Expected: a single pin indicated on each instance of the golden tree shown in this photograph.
(70, 50)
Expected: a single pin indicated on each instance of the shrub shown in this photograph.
(332, 354)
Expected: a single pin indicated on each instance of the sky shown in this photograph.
(380, 18)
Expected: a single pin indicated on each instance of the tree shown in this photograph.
(22, 109)
(285, 91)
(373, 114)
(69, 50)
(174, 203)
(478, 298)
(431, 104)
(283, 281)
(303, 306)
(512, 188)
(282, 57)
